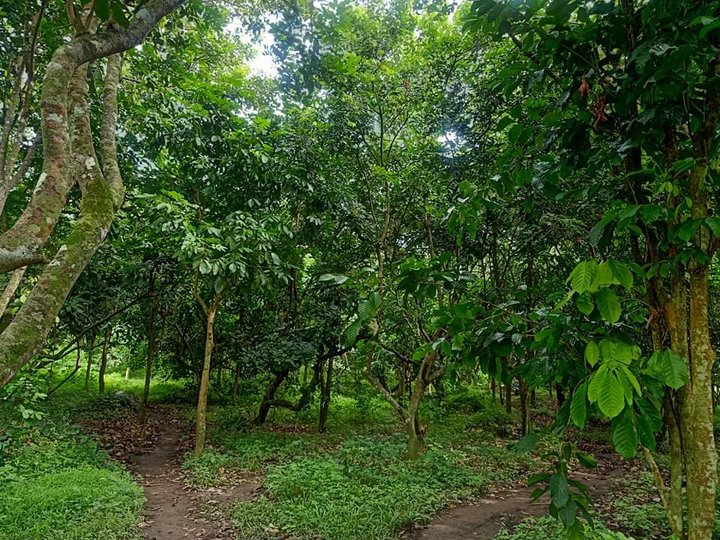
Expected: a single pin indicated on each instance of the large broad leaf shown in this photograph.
(622, 273)
(604, 277)
(352, 331)
(578, 407)
(582, 277)
(559, 490)
(670, 368)
(624, 436)
(609, 305)
(526, 444)
(102, 9)
(645, 431)
(596, 233)
(687, 229)
(607, 390)
(584, 303)
(338, 279)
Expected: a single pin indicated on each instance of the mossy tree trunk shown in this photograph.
(102, 190)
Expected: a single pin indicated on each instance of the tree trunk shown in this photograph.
(102, 191)
(508, 397)
(200, 424)
(268, 397)
(416, 436)
(415, 432)
(325, 391)
(696, 415)
(90, 350)
(151, 350)
(104, 361)
(236, 383)
(525, 407)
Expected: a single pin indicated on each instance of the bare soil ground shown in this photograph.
(174, 509)
(483, 518)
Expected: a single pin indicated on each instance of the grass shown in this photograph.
(56, 483)
(362, 491)
(548, 528)
(79, 503)
(354, 483)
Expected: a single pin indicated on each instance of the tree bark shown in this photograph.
(269, 396)
(104, 361)
(200, 424)
(19, 245)
(90, 350)
(151, 349)
(524, 407)
(325, 395)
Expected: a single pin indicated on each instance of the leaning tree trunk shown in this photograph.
(102, 190)
(269, 397)
(201, 428)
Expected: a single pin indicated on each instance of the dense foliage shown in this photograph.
(434, 235)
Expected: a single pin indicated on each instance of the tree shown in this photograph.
(652, 148)
(69, 157)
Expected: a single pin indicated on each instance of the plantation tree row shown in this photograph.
(421, 194)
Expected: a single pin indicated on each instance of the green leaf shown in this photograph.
(604, 277)
(586, 460)
(624, 436)
(592, 353)
(645, 432)
(338, 279)
(526, 444)
(631, 377)
(713, 223)
(351, 333)
(582, 277)
(102, 9)
(609, 305)
(568, 513)
(559, 490)
(621, 273)
(118, 13)
(537, 478)
(597, 231)
(578, 407)
(607, 390)
(687, 229)
(584, 303)
(670, 368)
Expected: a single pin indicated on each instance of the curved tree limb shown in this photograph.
(33, 228)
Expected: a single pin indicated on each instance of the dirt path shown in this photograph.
(154, 451)
(174, 509)
(482, 519)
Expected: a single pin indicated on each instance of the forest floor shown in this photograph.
(174, 508)
(488, 515)
(285, 480)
